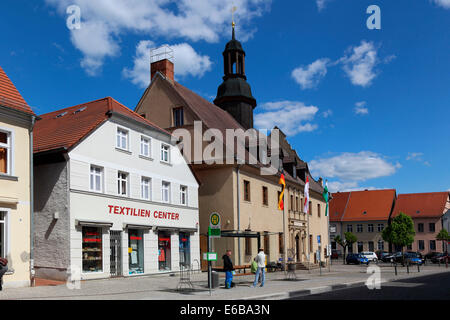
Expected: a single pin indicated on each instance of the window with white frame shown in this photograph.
(96, 179)
(5, 152)
(122, 139)
(122, 183)
(183, 195)
(165, 192)
(165, 152)
(359, 228)
(380, 227)
(3, 228)
(146, 188)
(380, 245)
(145, 147)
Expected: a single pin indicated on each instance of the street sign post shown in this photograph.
(213, 232)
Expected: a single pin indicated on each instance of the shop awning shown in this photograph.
(93, 223)
(137, 226)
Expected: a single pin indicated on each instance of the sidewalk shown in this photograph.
(164, 287)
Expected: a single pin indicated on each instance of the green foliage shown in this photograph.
(443, 235)
(350, 238)
(401, 231)
(339, 240)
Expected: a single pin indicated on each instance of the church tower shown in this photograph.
(234, 95)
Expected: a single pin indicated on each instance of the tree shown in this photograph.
(349, 240)
(400, 232)
(444, 237)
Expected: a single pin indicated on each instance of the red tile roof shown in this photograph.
(368, 205)
(421, 205)
(66, 127)
(338, 203)
(10, 96)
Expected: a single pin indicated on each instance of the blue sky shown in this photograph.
(365, 108)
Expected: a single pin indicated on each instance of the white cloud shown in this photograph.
(103, 22)
(360, 108)
(353, 167)
(327, 113)
(186, 60)
(292, 117)
(443, 3)
(417, 157)
(321, 4)
(359, 63)
(310, 76)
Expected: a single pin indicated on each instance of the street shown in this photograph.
(430, 287)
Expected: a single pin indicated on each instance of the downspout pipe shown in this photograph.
(32, 272)
(238, 211)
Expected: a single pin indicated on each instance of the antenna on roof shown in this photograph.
(161, 53)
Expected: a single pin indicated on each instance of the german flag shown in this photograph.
(280, 201)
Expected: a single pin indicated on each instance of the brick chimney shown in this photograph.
(165, 67)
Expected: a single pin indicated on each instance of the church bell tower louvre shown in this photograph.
(234, 95)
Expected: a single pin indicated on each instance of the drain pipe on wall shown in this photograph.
(32, 272)
(238, 211)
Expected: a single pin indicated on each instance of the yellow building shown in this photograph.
(16, 122)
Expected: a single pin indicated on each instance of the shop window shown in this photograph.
(96, 179)
(165, 192)
(265, 196)
(248, 246)
(5, 153)
(185, 250)
(266, 244)
(122, 139)
(3, 229)
(145, 147)
(184, 195)
(164, 251)
(122, 183)
(246, 190)
(360, 247)
(92, 249)
(165, 153)
(135, 251)
(146, 188)
(178, 117)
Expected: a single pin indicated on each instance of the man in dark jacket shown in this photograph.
(3, 269)
(228, 268)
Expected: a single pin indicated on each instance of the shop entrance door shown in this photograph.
(116, 253)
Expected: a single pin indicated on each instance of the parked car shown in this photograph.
(413, 258)
(371, 256)
(381, 254)
(417, 255)
(356, 258)
(335, 254)
(394, 257)
(431, 255)
(440, 258)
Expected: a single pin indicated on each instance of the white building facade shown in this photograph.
(130, 206)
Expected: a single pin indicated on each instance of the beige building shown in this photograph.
(16, 122)
(246, 199)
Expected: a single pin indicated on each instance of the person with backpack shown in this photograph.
(3, 269)
(261, 261)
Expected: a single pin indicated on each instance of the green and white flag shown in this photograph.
(325, 196)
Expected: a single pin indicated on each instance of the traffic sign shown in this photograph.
(318, 239)
(210, 256)
(214, 233)
(214, 220)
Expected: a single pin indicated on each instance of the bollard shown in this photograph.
(395, 267)
(407, 267)
(418, 267)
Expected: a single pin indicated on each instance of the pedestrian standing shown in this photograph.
(228, 268)
(261, 261)
(3, 269)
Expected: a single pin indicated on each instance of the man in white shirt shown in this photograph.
(261, 261)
